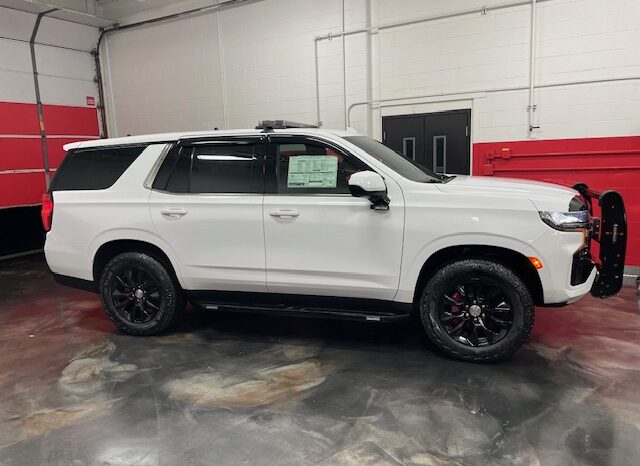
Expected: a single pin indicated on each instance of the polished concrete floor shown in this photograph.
(243, 389)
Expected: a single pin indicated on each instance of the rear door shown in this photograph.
(206, 204)
(319, 239)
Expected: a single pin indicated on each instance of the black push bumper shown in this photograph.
(610, 231)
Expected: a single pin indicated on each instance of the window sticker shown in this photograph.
(312, 171)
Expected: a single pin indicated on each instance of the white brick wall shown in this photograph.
(171, 75)
(163, 78)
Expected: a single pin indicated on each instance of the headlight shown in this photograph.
(566, 221)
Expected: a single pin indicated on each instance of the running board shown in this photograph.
(307, 312)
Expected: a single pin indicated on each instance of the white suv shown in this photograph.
(322, 223)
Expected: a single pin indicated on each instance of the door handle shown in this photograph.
(284, 213)
(174, 212)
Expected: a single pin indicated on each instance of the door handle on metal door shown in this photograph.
(284, 213)
(174, 212)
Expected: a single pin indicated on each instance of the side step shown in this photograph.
(299, 311)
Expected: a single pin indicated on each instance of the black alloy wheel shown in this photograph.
(476, 312)
(136, 295)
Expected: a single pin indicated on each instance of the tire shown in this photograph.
(140, 295)
(461, 315)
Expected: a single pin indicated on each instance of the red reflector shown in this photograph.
(47, 211)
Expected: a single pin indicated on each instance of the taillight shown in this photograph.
(47, 211)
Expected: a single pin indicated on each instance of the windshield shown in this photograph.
(401, 165)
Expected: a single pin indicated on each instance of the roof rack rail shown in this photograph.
(270, 125)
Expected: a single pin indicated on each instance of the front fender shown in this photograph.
(413, 266)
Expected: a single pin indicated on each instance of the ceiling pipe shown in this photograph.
(532, 70)
(317, 75)
(382, 27)
(36, 85)
(444, 96)
(181, 14)
(344, 66)
(482, 10)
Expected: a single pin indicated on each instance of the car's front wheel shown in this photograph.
(139, 294)
(477, 310)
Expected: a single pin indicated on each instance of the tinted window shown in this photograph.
(166, 169)
(97, 168)
(401, 165)
(178, 181)
(211, 168)
(225, 169)
(314, 168)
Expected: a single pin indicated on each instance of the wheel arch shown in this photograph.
(516, 261)
(112, 248)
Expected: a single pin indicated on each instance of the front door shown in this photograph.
(438, 141)
(206, 206)
(319, 239)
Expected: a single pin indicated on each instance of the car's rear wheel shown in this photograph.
(477, 310)
(139, 294)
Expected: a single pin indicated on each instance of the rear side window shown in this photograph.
(92, 169)
(212, 168)
(224, 169)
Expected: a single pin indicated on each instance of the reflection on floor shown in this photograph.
(245, 389)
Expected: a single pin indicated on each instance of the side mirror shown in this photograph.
(371, 185)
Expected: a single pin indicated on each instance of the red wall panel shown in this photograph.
(20, 153)
(601, 163)
(21, 189)
(74, 121)
(56, 150)
(17, 118)
(25, 153)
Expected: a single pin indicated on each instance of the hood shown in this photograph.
(545, 196)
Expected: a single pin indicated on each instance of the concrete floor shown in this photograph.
(244, 389)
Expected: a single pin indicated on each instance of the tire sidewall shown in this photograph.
(166, 285)
(457, 272)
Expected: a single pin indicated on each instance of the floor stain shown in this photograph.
(41, 422)
(87, 373)
(365, 453)
(427, 459)
(267, 386)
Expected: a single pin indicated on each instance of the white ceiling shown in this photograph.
(118, 9)
(111, 10)
(62, 12)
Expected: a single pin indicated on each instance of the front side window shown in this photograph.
(211, 168)
(305, 167)
(401, 165)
